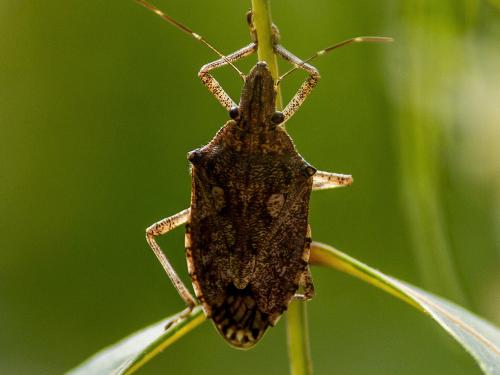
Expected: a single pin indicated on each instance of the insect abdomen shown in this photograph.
(238, 318)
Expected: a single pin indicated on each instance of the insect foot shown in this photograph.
(181, 316)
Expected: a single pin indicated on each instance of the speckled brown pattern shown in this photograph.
(248, 245)
(247, 235)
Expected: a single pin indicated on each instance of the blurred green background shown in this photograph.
(100, 102)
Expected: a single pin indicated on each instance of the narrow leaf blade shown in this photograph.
(480, 338)
(131, 353)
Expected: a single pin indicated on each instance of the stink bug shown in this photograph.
(247, 235)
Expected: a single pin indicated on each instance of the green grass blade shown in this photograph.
(432, 33)
(262, 20)
(131, 353)
(299, 351)
(480, 338)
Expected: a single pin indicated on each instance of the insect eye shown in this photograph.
(234, 113)
(194, 156)
(277, 117)
(309, 171)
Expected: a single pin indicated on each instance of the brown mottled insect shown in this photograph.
(247, 235)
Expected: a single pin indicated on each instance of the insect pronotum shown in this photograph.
(247, 235)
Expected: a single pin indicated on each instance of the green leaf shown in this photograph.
(480, 338)
(131, 353)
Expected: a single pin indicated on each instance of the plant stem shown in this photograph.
(262, 21)
(299, 351)
(297, 330)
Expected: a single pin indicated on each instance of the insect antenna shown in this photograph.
(188, 31)
(359, 39)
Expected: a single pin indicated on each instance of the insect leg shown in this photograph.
(314, 76)
(305, 279)
(306, 88)
(162, 227)
(326, 180)
(213, 86)
(211, 83)
(307, 286)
